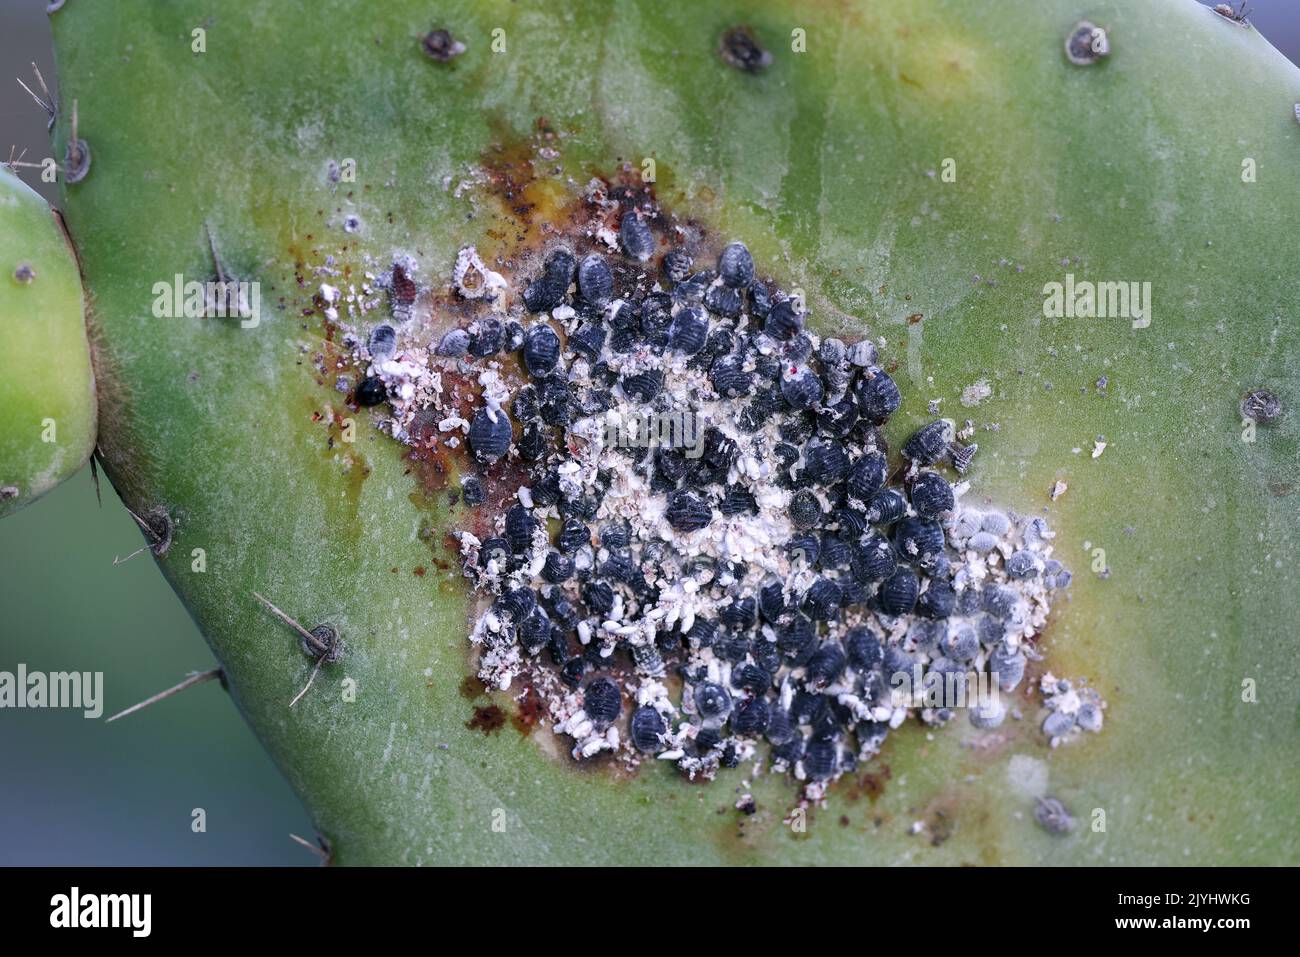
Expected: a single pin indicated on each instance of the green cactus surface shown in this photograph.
(921, 170)
(47, 389)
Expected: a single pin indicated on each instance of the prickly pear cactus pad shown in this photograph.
(46, 386)
(985, 317)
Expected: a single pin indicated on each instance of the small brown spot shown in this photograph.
(402, 290)
(941, 828)
(487, 718)
(914, 318)
(472, 687)
(419, 571)
(872, 784)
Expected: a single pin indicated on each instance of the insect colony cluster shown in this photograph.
(773, 582)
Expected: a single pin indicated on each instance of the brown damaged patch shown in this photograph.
(487, 718)
(530, 711)
(970, 818)
(471, 687)
(534, 208)
(871, 784)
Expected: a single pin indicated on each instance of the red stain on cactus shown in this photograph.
(487, 718)
(872, 784)
(531, 711)
(452, 546)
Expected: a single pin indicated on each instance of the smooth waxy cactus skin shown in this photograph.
(1133, 165)
(47, 393)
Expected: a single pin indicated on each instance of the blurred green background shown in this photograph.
(78, 791)
(75, 791)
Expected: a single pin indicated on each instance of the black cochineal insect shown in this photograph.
(489, 434)
(602, 701)
(371, 391)
(637, 239)
(647, 728)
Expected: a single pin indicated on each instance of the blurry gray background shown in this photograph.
(74, 791)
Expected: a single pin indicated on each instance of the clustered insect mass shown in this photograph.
(759, 574)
